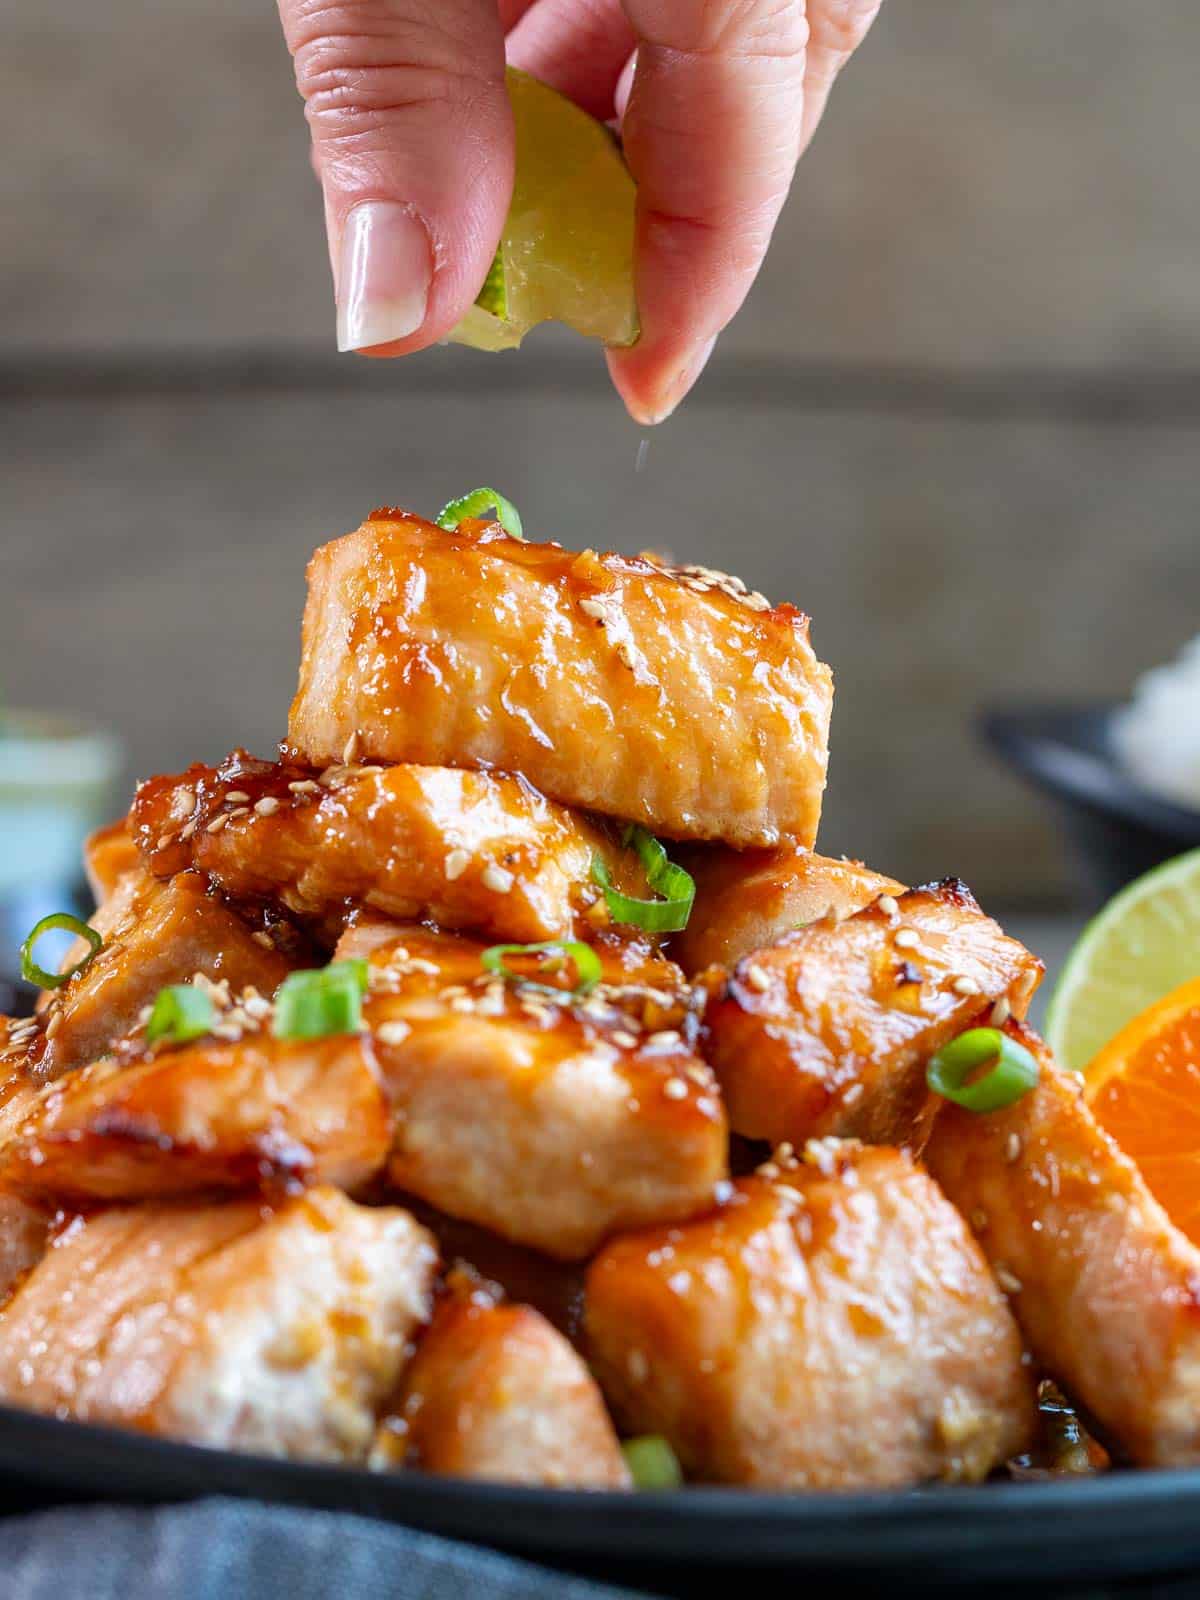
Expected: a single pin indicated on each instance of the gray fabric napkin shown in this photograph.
(239, 1550)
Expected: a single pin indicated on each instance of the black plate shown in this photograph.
(1116, 830)
(1129, 1524)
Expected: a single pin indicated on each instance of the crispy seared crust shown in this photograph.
(1106, 1289)
(495, 1393)
(469, 849)
(829, 1031)
(611, 683)
(260, 1114)
(747, 899)
(832, 1326)
(278, 1331)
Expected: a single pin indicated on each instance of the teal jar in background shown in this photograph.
(57, 779)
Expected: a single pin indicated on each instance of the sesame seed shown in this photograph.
(1001, 1012)
(756, 601)
(675, 1089)
(853, 1094)
(427, 969)
(304, 786)
(889, 905)
(624, 1040)
(236, 797)
(350, 750)
(183, 803)
(263, 938)
(217, 823)
(229, 1031)
(664, 1038)
(1007, 1280)
(164, 839)
(239, 811)
(965, 985)
(54, 1024)
(786, 1151)
(462, 1004)
(456, 863)
(257, 1008)
(497, 879)
(768, 1170)
(1012, 1147)
(188, 830)
(639, 1367)
(906, 939)
(757, 978)
(392, 1032)
(625, 654)
(267, 807)
(593, 608)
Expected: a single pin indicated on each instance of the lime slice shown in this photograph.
(566, 254)
(1144, 943)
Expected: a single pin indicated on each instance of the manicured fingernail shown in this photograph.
(682, 383)
(384, 275)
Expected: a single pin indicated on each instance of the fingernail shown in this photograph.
(683, 381)
(384, 275)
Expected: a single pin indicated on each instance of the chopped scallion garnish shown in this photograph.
(652, 1463)
(476, 504)
(181, 1012)
(678, 890)
(316, 1005)
(583, 957)
(30, 970)
(955, 1071)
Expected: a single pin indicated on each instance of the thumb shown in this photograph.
(413, 143)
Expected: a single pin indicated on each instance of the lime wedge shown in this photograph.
(566, 254)
(1144, 943)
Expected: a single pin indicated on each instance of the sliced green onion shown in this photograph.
(30, 970)
(587, 965)
(1013, 1070)
(317, 1005)
(652, 1463)
(677, 888)
(476, 504)
(181, 1012)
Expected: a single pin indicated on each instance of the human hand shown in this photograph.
(413, 144)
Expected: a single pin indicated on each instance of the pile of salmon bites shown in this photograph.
(500, 1075)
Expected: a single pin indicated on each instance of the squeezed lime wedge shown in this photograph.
(566, 254)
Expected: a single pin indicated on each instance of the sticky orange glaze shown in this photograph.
(832, 1326)
(829, 1030)
(494, 1392)
(468, 849)
(646, 692)
(1106, 1289)
(749, 898)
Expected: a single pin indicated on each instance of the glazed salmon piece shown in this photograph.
(108, 854)
(155, 934)
(749, 898)
(829, 1030)
(833, 1326)
(1106, 1289)
(494, 1392)
(24, 1235)
(554, 1124)
(468, 849)
(262, 1113)
(659, 695)
(277, 1331)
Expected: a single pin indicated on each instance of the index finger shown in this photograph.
(712, 135)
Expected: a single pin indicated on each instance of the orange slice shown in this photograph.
(1144, 1088)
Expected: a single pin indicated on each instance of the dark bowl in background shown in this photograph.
(1115, 830)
